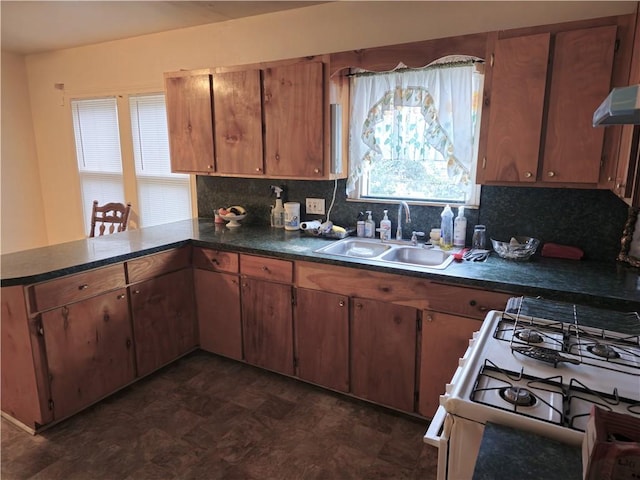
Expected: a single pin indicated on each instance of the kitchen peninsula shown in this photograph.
(170, 284)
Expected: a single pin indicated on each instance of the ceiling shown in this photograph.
(39, 26)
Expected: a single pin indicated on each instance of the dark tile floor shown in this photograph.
(207, 417)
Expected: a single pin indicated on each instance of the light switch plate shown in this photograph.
(315, 206)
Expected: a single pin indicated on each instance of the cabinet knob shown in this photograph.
(277, 157)
(136, 292)
(316, 170)
(215, 261)
(429, 318)
(341, 303)
(265, 268)
(359, 306)
(551, 173)
(210, 167)
(528, 174)
(83, 287)
(121, 296)
(258, 169)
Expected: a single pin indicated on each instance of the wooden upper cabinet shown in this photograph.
(580, 80)
(515, 116)
(238, 122)
(190, 123)
(294, 120)
(544, 89)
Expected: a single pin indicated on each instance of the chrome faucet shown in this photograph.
(407, 218)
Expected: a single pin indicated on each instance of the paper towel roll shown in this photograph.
(313, 225)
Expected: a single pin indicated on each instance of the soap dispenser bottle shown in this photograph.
(369, 226)
(446, 229)
(385, 227)
(277, 212)
(460, 229)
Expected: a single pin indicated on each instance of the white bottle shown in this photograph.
(446, 229)
(385, 227)
(459, 229)
(369, 226)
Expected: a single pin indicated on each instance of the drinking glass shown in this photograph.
(479, 239)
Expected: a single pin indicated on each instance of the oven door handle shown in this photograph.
(436, 433)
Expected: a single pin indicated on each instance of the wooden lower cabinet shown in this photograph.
(164, 321)
(445, 338)
(322, 338)
(219, 317)
(267, 325)
(89, 347)
(383, 352)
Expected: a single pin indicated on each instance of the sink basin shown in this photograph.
(388, 253)
(356, 247)
(418, 256)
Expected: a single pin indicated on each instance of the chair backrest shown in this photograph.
(112, 217)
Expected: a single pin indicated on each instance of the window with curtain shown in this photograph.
(97, 137)
(162, 196)
(414, 133)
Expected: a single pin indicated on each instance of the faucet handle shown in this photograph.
(414, 237)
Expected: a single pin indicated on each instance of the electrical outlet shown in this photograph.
(315, 206)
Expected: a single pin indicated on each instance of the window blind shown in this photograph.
(162, 196)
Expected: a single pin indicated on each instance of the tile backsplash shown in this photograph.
(590, 219)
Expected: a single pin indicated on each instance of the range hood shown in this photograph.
(621, 107)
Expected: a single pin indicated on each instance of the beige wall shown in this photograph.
(137, 64)
(22, 211)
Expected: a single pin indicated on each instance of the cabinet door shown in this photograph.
(383, 353)
(515, 117)
(238, 122)
(267, 325)
(580, 80)
(89, 350)
(322, 338)
(218, 308)
(163, 319)
(190, 123)
(294, 121)
(445, 338)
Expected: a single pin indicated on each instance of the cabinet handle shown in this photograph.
(341, 303)
(551, 173)
(120, 297)
(84, 286)
(528, 174)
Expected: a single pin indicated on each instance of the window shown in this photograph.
(95, 123)
(414, 134)
(162, 196)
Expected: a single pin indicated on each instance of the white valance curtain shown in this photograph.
(444, 119)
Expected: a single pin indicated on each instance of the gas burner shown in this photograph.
(603, 350)
(529, 336)
(518, 396)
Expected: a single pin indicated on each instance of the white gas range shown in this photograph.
(537, 366)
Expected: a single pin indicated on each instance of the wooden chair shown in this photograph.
(115, 215)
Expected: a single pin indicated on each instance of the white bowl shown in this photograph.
(232, 220)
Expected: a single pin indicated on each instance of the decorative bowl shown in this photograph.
(233, 220)
(518, 248)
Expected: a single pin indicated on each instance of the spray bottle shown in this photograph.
(277, 211)
(446, 229)
(459, 229)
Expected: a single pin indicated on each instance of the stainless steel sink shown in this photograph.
(356, 247)
(418, 256)
(388, 253)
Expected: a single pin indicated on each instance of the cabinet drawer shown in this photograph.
(155, 265)
(266, 268)
(468, 302)
(215, 260)
(76, 287)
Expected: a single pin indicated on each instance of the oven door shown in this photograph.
(458, 441)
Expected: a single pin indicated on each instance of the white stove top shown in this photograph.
(502, 367)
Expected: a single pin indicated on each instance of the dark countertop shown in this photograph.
(508, 453)
(607, 285)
